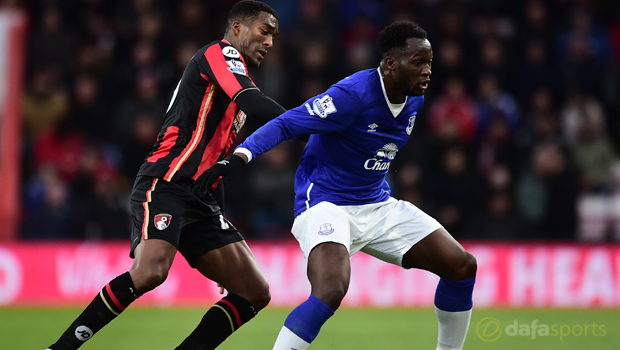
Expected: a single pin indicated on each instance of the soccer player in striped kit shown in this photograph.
(342, 200)
(173, 211)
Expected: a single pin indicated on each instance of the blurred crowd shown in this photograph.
(520, 122)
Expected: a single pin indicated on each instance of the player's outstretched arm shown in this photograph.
(228, 169)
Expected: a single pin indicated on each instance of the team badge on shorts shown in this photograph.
(326, 229)
(162, 221)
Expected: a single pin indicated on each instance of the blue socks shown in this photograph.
(454, 295)
(307, 318)
(453, 304)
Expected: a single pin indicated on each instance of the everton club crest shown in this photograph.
(326, 229)
(162, 221)
(410, 126)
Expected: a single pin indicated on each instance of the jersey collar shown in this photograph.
(394, 108)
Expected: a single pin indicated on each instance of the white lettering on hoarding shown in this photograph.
(597, 284)
(10, 277)
(486, 290)
(528, 284)
(563, 276)
(82, 272)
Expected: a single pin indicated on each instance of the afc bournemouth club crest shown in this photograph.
(162, 221)
(326, 229)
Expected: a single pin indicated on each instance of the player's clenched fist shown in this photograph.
(229, 169)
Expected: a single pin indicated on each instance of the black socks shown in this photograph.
(108, 304)
(222, 319)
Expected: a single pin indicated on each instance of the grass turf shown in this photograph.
(359, 329)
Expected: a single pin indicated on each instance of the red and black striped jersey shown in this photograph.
(202, 120)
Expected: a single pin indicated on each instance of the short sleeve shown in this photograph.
(224, 65)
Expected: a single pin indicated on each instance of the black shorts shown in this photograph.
(172, 212)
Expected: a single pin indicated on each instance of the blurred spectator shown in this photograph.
(537, 70)
(541, 124)
(146, 99)
(494, 103)
(192, 24)
(583, 31)
(51, 43)
(583, 50)
(273, 194)
(448, 62)
(594, 156)
(89, 113)
(547, 193)
(45, 103)
(137, 147)
(359, 44)
(538, 23)
(62, 151)
(581, 110)
(453, 113)
(493, 61)
(456, 192)
(499, 221)
(49, 211)
(350, 11)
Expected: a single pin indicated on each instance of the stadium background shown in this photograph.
(515, 150)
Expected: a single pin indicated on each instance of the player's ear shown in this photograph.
(391, 63)
(235, 28)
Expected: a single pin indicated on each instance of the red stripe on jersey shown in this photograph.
(206, 77)
(169, 140)
(225, 78)
(235, 311)
(145, 205)
(113, 297)
(219, 141)
(205, 107)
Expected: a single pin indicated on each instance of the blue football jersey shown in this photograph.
(355, 135)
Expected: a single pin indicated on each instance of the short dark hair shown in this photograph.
(394, 36)
(246, 11)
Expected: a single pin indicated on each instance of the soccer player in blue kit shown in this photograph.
(342, 201)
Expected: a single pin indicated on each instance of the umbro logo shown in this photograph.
(372, 127)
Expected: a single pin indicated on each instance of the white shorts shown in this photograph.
(385, 230)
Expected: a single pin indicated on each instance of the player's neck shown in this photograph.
(230, 39)
(391, 89)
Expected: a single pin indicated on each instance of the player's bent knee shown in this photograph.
(332, 297)
(466, 268)
(148, 279)
(261, 297)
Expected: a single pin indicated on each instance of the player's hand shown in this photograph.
(222, 289)
(229, 169)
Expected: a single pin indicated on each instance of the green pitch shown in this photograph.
(358, 329)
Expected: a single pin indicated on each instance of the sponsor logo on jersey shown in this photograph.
(324, 106)
(372, 127)
(231, 52)
(382, 159)
(236, 67)
(326, 229)
(239, 121)
(410, 126)
(83, 333)
(309, 108)
(224, 223)
(162, 221)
